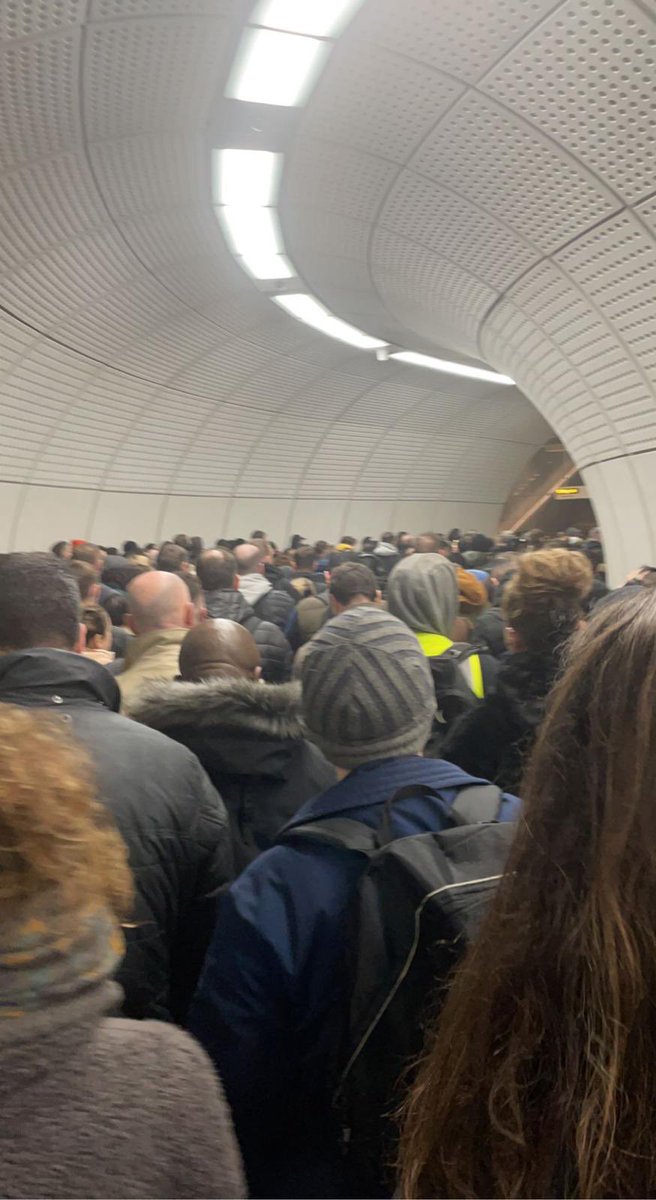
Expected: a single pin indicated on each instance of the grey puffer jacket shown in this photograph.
(95, 1107)
(173, 822)
(250, 739)
(274, 648)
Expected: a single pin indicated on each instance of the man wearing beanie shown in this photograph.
(272, 993)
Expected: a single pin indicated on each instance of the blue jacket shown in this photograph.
(269, 1003)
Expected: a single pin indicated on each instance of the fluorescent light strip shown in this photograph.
(305, 308)
(449, 368)
(276, 68)
(314, 18)
(245, 177)
(253, 235)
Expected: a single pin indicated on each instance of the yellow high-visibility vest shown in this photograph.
(434, 644)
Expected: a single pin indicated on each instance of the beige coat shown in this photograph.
(149, 656)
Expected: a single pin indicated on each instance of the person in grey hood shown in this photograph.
(248, 735)
(423, 593)
(268, 603)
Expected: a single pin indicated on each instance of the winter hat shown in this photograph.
(367, 689)
(471, 592)
(423, 593)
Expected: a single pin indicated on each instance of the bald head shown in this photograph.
(159, 600)
(249, 558)
(219, 648)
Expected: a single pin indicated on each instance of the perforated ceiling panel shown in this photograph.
(478, 185)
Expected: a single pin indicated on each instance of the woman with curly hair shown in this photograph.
(92, 1106)
(543, 605)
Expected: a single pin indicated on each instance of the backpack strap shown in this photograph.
(341, 832)
(476, 805)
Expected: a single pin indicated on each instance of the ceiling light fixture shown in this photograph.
(305, 308)
(315, 18)
(253, 234)
(449, 368)
(245, 177)
(276, 68)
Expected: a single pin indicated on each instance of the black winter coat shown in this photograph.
(174, 824)
(494, 740)
(249, 738)
(272, 644)
(276, 607)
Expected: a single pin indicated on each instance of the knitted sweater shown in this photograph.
(98, 1107)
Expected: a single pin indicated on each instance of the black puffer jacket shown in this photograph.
(173, 822)
(273, 645)
(494, 740)
(249, 738)
(276, 607)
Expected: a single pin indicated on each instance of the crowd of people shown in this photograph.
(327, 871)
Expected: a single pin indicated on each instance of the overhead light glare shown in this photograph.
(276, 68)
(449, 368)
(267, 266)
(305, 308)
(253, 235)
(316, 18)
(245, 177)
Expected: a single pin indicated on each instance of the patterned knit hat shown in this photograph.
(367, 689)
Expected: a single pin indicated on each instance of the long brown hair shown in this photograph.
(540, 1079)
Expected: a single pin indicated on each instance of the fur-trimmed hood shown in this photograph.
(271, 709)
(253, 727)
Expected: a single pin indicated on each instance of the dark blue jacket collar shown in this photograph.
(375, 782)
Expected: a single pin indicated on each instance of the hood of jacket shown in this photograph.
(252, 727)
(254, 587)
(523, 684)
(55, 677)
(423, 593)
(228, 604)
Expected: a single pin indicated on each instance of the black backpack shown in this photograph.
(418, 903)
(452, 692)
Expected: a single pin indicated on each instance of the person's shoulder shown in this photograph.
(131, 741)
(153, 1049)
(160, 1068)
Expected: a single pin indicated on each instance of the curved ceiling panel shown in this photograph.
(478, 187)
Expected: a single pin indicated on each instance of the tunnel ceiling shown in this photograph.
(470, 179)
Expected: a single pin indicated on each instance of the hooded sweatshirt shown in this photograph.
(249, 738)
(423, 593)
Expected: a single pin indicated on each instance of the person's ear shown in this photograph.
(513, 640)
(203, 614)
(190, 615)
(379, 597)
(94, 593)
(81, 643)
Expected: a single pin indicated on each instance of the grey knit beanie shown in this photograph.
(423, 593)
(367, 689)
